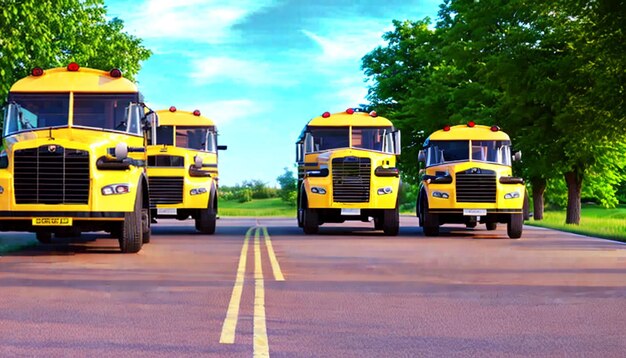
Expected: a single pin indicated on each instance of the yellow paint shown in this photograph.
(84, 80)
(230, 322)
(278, 274)
(209, 160)
(261, 346)
(343, 119)
(478, 132)
(317, 160)
(97, 143)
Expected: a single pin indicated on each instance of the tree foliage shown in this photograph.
(52, 33)
(288, 187)
(551, 73)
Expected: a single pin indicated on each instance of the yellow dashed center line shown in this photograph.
(260, 340)
(261, 346)
(230, 322)
(278, 274)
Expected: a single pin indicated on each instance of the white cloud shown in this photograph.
(213, 69)
(347, 43)
(206, 21)
(221, 111)
(230, 111)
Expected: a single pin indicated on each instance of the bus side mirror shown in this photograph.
(121, 151)
(396, 141)
(421, 156)
(309, 146)
(517, 156)
(197, 161)
(151, 119)
(299, 154)
(222, 147)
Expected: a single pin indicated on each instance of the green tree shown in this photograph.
(52, 33)
(550, 73)
(288, 187)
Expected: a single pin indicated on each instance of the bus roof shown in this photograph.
(356, 119)
(87, 80)
(344, 119)
(465, 132)
(183, 118)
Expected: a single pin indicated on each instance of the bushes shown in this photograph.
(248, 190)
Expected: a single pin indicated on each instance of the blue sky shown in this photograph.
(259, 68)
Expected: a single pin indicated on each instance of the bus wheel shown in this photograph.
(145, 225)
(391, 222)
(491, 226)
(515, 225)
(205, 221)
(310, 221)
(378, 222)
(44, 237)
(431, 221)
(130, 237)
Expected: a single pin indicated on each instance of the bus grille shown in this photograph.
(51, 174)
(476, 186)
(351, 180)
(165, 190)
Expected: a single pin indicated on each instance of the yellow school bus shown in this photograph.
(468, 180)
(182, 168)
(74, 156)
(347, 171)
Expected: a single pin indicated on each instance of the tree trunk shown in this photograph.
(574, 182)
(539, 187)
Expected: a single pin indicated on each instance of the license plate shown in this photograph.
(351, 212)
(166, 211)
(475, 212)
(52, 221)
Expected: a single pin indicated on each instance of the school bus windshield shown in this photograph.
(186, 137)
(36, 110)
(490, 151)
(43, 110)
(338, 137)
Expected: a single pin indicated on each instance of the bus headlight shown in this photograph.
(197, 191)
(318, 190)
(512, 195)
(440, 195)
(115, 189)
(385, 190)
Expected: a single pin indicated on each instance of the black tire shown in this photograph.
(206, 218)
(310, 222)
(378, 223)
(491, 226)
(145, 225)
(430, 222)
(515, 225)
(300, 213)
(44, 237)
(391, 222)
(131, 234)
(205, 222)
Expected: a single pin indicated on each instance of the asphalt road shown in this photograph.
(347, 292)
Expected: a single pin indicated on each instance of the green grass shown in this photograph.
(257, 207)
(594, 221)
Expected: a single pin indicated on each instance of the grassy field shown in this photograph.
(595, 221)
(260, 207)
